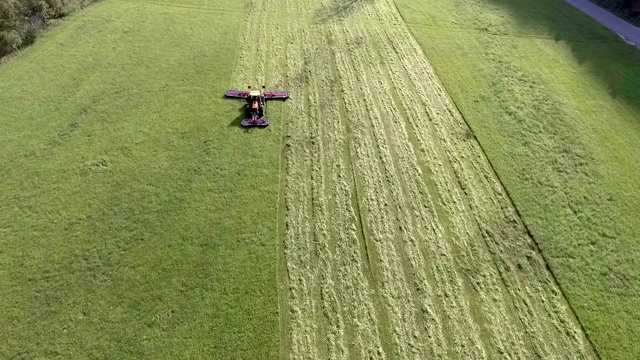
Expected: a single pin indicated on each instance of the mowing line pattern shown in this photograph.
(399, 242)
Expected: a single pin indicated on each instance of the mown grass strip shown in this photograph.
(443, 280)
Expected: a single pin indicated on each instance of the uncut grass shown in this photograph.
(136, 218)
(553, 98)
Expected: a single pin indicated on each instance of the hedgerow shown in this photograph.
(20, 20)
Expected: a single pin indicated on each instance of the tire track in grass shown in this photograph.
(326, 319)
(306, 72)
(352, 127)
(355, 306)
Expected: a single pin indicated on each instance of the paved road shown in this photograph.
(614, 23)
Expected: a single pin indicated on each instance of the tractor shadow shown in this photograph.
(237, 122)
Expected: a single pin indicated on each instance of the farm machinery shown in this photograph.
(256, 103)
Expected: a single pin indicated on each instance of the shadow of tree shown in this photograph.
(598, 49)
(338, 9)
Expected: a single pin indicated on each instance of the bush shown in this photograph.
(9, 15)
(29, 36)
(20, 20)
(9, 41)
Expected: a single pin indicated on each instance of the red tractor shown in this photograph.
(256, 102)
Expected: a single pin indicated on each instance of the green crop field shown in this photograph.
(138, 220)
(554, 99)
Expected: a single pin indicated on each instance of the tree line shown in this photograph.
(21, 19)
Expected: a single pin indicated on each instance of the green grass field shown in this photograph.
(138, 220)
(554, 99)
(136, 217)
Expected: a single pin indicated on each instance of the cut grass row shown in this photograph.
(137, 219)
(399, 241)
(553, 98)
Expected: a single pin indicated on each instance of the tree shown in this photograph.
(10, 37)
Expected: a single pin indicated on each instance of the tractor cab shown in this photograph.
(254, 99)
